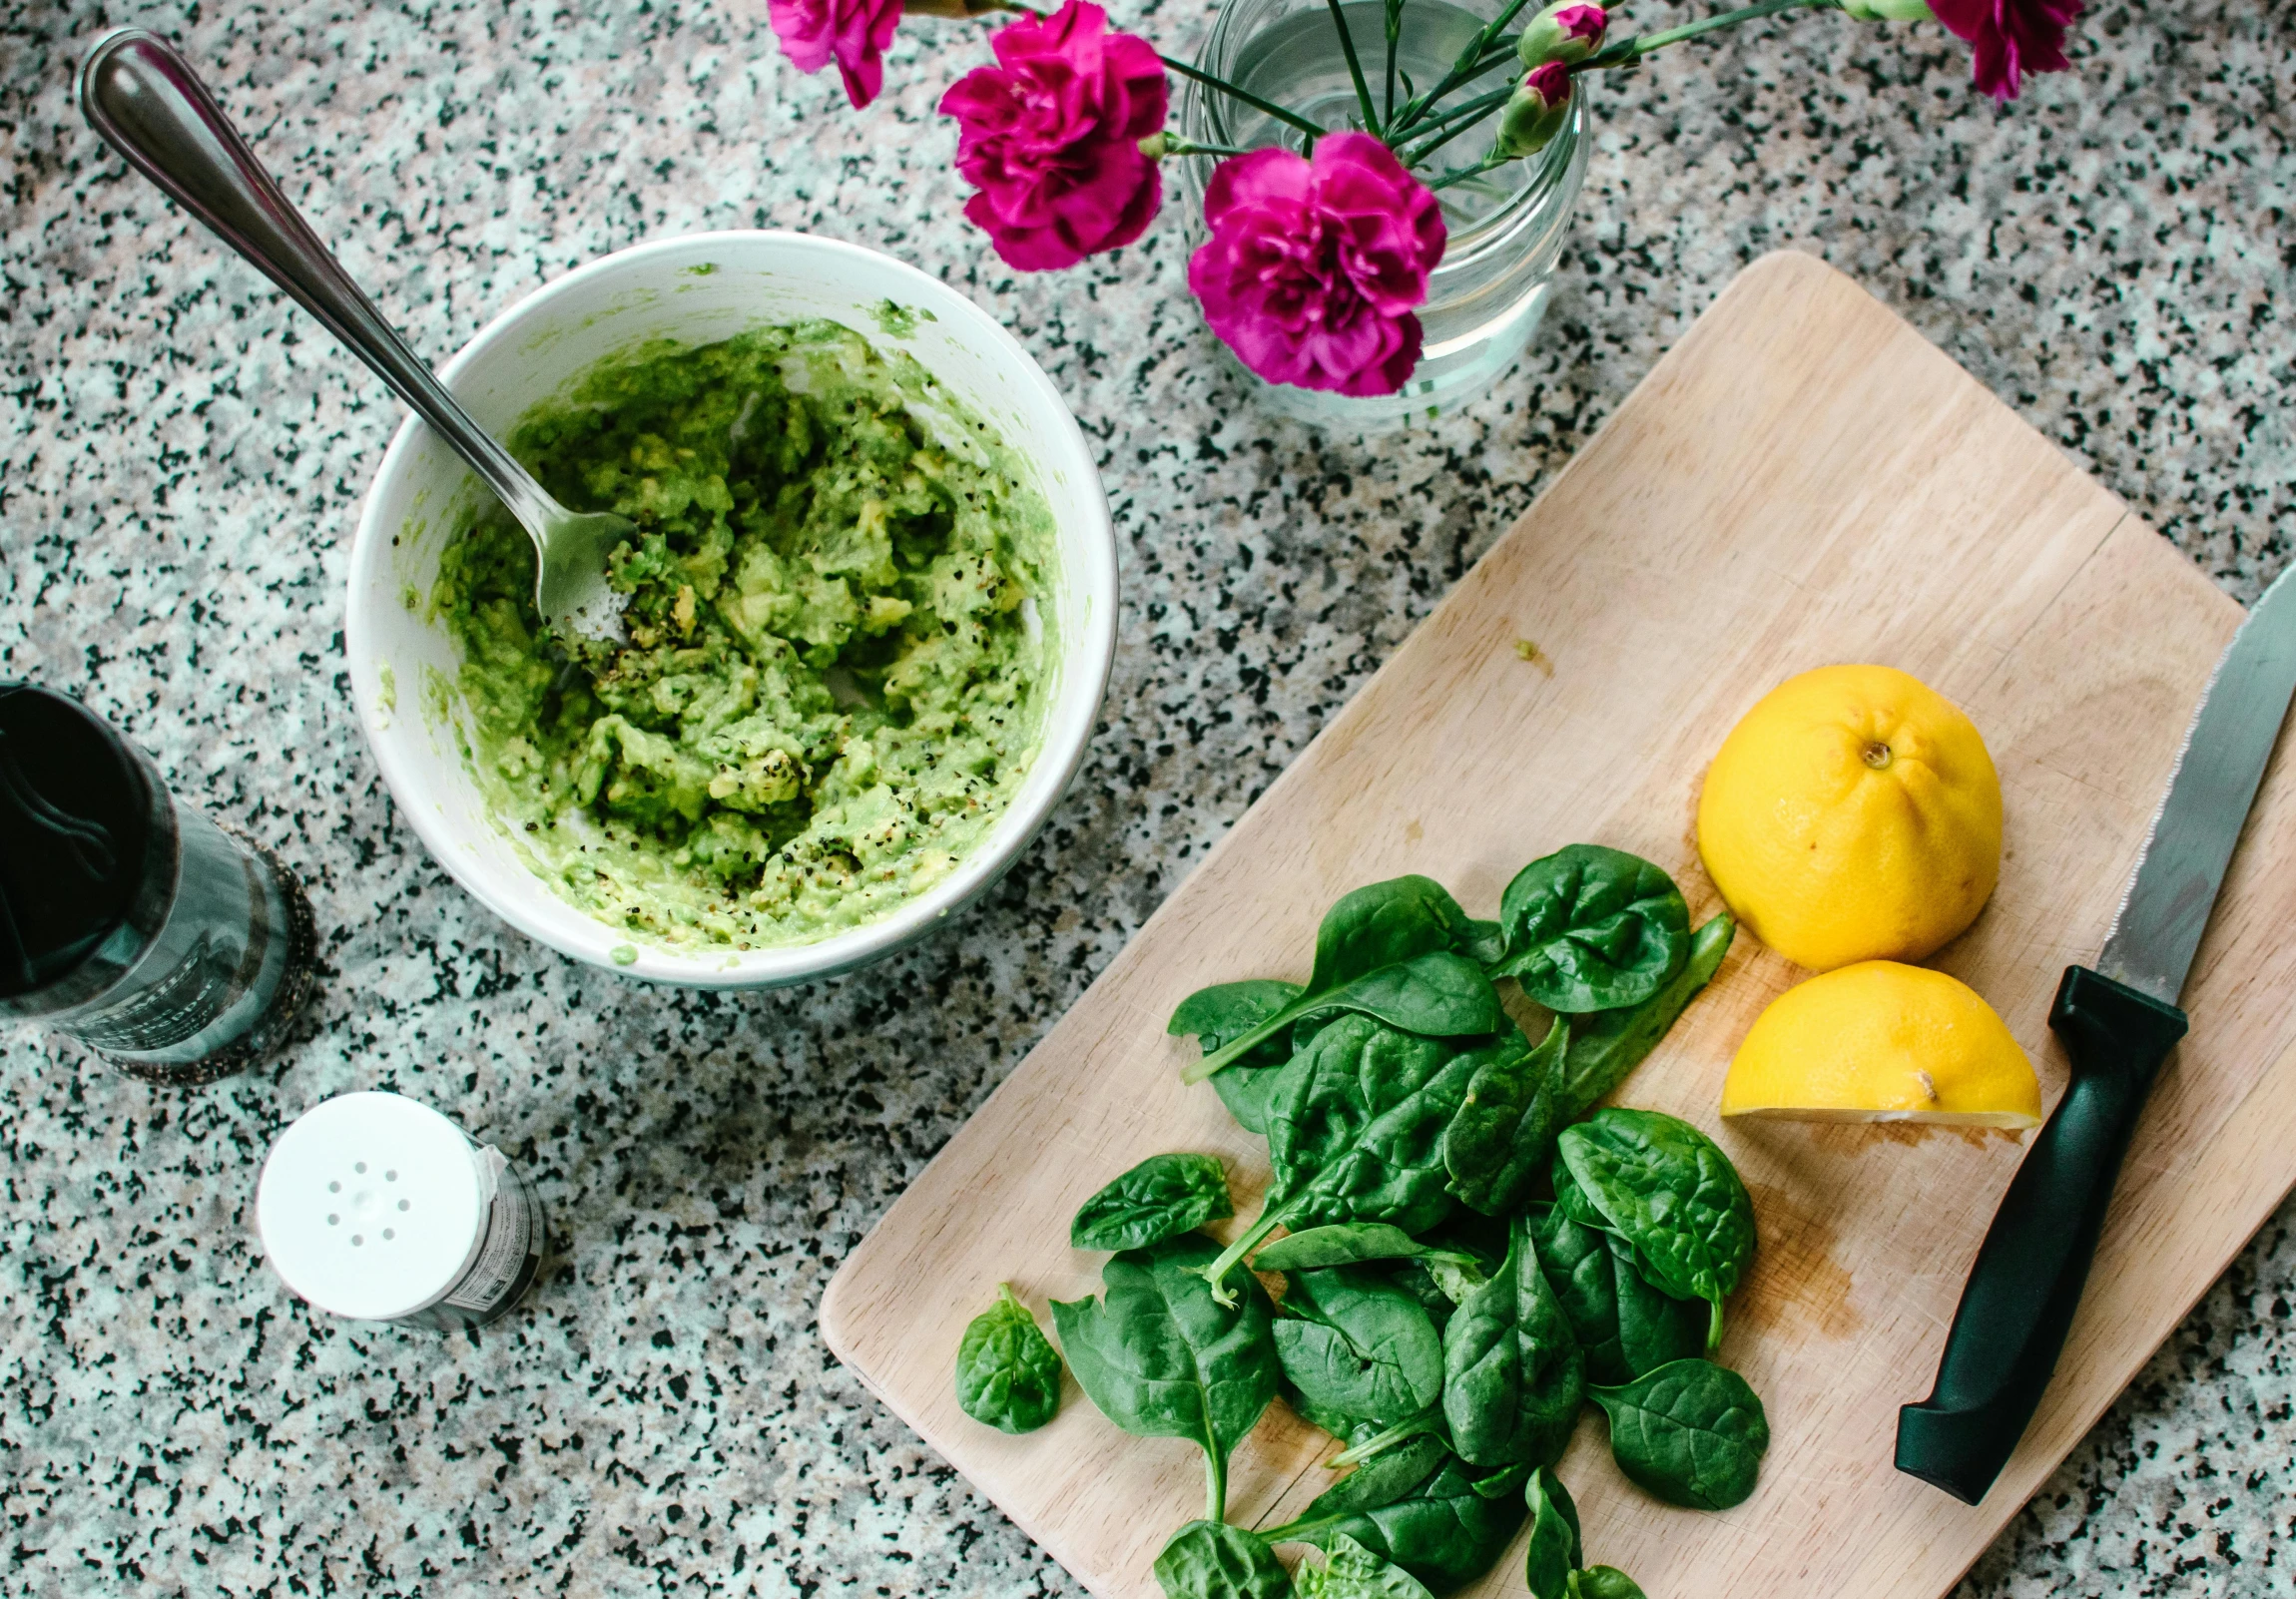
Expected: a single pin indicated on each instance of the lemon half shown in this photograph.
(1882, 1042)
(1853, 815)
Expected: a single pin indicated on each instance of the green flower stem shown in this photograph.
(1355, 67)
(1289, 118)
(1625, 52)
(1455, 121)
(1459, 175)
(1429, 149)
(1473, 61)
(1394, 32)
(1157, 146)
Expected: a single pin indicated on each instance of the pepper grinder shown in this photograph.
(173, 946)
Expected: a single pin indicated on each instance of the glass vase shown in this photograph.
(1487, 297)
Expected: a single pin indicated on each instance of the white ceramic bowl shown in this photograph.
(697, 291)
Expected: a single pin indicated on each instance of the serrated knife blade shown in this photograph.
(2230, 741)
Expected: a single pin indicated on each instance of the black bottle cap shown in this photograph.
(75, 813)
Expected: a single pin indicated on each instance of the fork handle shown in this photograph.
(2031, 1269)
(148, 105)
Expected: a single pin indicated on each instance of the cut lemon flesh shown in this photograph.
(1882, 1042)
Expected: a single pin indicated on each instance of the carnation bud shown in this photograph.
(1534, 113)
(1570, 31)
(1889, 10)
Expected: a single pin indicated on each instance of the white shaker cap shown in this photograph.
(371, 1205)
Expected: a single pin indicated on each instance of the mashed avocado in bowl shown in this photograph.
(839, 641)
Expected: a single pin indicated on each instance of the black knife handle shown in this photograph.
(2034, 1261)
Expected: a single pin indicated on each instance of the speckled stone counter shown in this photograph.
(181, 459)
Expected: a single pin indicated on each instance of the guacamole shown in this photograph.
(837, 649)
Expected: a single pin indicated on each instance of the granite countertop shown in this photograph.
(182, 458)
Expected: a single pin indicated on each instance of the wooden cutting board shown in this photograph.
(1801, 481)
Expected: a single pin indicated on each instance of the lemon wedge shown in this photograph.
(1882, 1042)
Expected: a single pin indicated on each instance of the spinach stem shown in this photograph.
(1294, 1531)
(1713, 1324)
(1235, 1049)
(1215, 1483)
(1403, 1432)
(1216, 1273)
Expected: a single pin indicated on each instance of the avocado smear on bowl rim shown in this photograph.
(836, 670)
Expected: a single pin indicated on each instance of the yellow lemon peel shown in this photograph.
(1853, 815)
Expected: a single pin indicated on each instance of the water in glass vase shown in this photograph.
(1506, 229)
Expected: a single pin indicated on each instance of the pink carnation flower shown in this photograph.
(2010, 37)
(852, 32)
(1050, 136)
(1314, 269)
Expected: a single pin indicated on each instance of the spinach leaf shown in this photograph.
(1485, 943)
(1383, 922)
(1556, 1551)
(1380, 924)
(1355, 1131)
(1571, 1200)
(1226, 1011)
(1604, 1582)
(1163, 1359)
(1504, 1131)
(1353, 1572)
(1212, 1560)
(1692, 1433)
(1357, 1345)
(1162, 1197)
(1346, 1244)
(1625, 1325)
(1590, 928)
(1668, 1190)
(1416, 1279)
(1513, 1377)
(1441, 994)
(1447, 1532)
(1337, 1423)
(1006, 1372)
(1607, 1045)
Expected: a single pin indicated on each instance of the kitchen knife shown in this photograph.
(2117, 1023)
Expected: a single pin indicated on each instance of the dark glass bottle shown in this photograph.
(173, 946)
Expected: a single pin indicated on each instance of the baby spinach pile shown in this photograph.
(1439, 1316)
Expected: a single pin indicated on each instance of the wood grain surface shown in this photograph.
(1801, 481)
